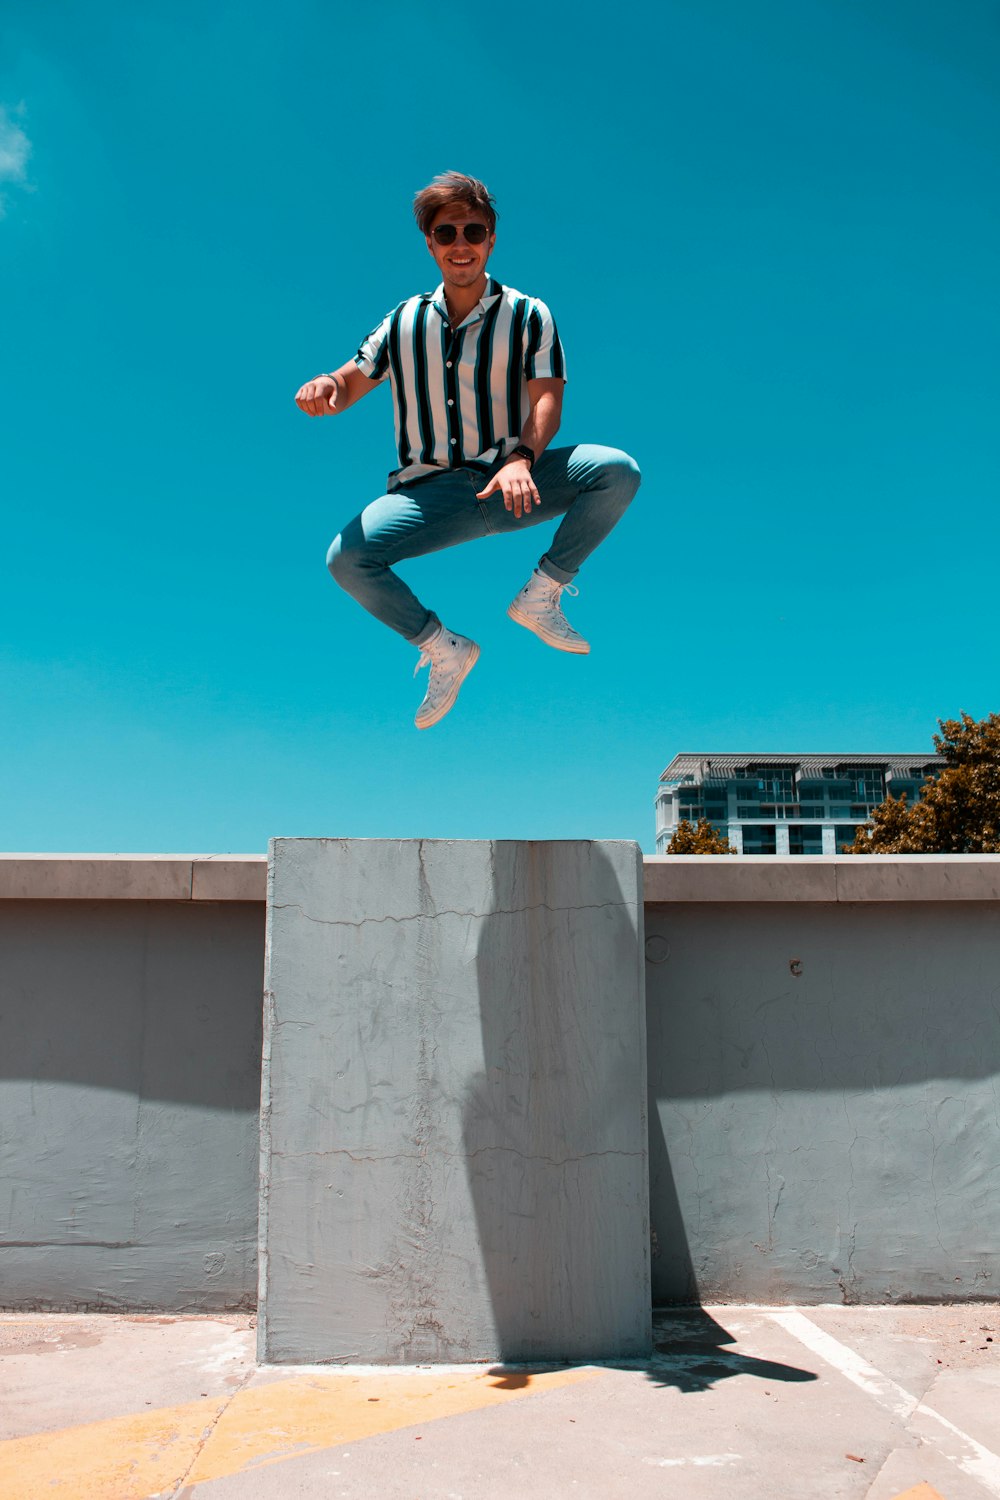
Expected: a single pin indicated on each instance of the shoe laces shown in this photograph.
(555, 589)
(431, 652)
(555, 594)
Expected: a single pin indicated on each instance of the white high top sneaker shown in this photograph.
(537, 608)
(451, 658)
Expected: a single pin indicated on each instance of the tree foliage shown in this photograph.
(957, 812)
(705, 839)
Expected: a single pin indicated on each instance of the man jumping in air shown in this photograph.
(477, 375)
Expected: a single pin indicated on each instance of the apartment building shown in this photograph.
(784, 804)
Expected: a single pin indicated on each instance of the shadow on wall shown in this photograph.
(820, 1076)
(821, 996)
(554, 1125)
(157, 999)
(674, 1278)
(130, 1046)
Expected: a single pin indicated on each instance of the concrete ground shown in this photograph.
(744, 1402)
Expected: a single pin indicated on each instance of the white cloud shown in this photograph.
(15, 148)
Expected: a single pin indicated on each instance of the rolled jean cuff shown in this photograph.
(558, 575)
(432, 626)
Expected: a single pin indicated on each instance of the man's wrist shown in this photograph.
(522, 451)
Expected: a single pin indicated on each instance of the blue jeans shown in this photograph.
(590, 487)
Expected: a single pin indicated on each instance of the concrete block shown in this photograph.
(453, 1124)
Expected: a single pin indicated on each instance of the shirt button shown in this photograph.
(449, 364)
(454, 441)
(450, 401)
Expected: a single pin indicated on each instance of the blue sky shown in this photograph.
(770, 235)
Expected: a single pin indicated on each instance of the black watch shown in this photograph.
(523, 451)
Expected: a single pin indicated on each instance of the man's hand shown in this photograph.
(318, 398)
(515, 483)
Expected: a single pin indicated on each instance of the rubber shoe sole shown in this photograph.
(579, 647)
(448, 703)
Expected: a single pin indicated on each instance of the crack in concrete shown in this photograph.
(179, 1486)
(935, 1147)
(500, 911)
(72, 1244)
(421, 1156)
(774, 1211)
(847, 1279)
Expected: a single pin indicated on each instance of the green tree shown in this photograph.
(705, 839)
(956, 812)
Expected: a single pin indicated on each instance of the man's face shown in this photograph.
(460, 263)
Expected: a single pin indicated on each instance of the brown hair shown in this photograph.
(451, 189)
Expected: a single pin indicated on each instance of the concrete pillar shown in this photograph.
(736, 837)
(453, 1125)
(781, 838)
(829, 839)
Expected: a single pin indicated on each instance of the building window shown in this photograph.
(868, 783)
(776, 782)
(805, 838)
(759, 839)
(844, 834)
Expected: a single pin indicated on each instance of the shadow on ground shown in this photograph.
(689, 1355)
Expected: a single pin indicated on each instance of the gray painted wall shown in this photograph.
(833, 1133)
(454, 1146)
(129, 1096)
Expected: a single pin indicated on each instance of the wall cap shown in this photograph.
(133, 877)
(667, 878)
(670, 878)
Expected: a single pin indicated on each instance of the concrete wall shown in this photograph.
(824, 1056)
(129, 1084)
(454, 1102)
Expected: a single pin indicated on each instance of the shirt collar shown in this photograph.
(494, 289)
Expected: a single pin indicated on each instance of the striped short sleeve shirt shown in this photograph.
(461, 396)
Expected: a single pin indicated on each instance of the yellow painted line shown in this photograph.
(919, 1492)
(126, 1458)
(134, 1457)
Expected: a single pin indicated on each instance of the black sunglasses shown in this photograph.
(447, 234)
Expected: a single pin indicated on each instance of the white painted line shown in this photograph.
(885, 1391)
(978, 1462)
(702, 1461)
(479, 1367)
